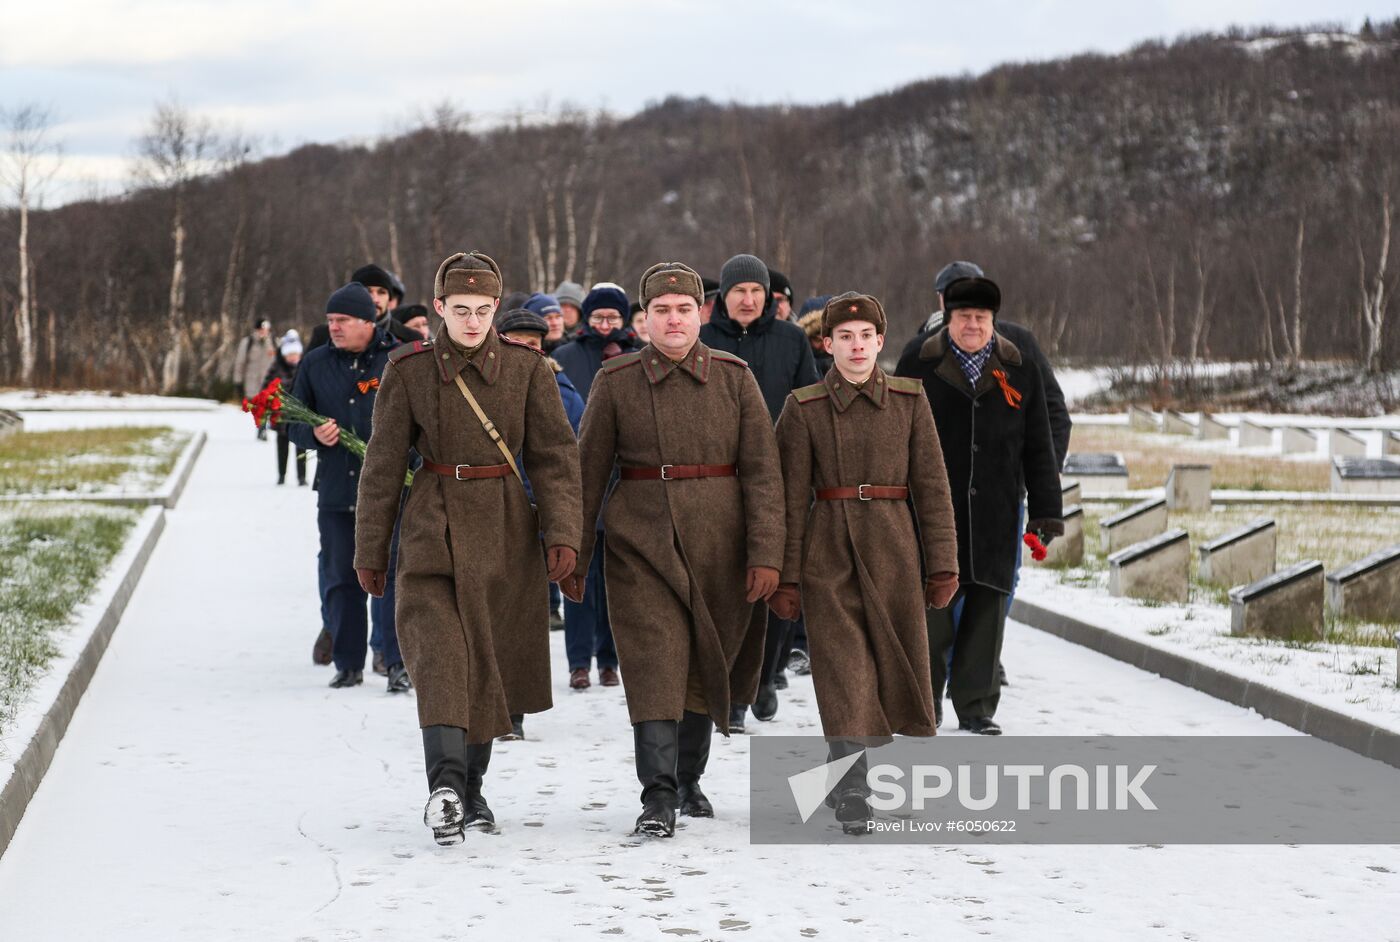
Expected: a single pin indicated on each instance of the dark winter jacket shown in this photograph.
(281, 369)
(573, 408)
(1060, 424)
(778, 352)
(994, 451)
(338, 385)
(582, 357)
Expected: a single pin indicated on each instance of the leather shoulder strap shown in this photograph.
(488, 425)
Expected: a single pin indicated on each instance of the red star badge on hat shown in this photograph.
(471, 281)
(853, 308)
(673, 279)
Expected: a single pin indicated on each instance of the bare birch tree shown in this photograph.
(30, 160)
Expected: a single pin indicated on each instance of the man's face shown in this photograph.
(468, 316)
(605, 320)
(572, 313)
(639, 326)
(419, 323)
(853, 346)
(381, 299)
(970, 328)
(263, 331)
(351, 334)
(527, 337)
(784, 308)
(745, 302)
(673, 323)
(555, 322)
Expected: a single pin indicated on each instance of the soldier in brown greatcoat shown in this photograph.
(694, 537)
(473, 615)
(864, 443)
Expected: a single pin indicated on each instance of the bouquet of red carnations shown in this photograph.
(276, 406)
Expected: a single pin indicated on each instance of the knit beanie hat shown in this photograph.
(372, 276)
(521, 319)
(542, 304)
(711, 287)
(953, 271)
(779, 284)
(813, 304)
(852, 307)
(981, 293)
(742, 269)
(570, 292)
(290, 343)
(670, 278)
(606, 296)
(468, 273)
(353, 300)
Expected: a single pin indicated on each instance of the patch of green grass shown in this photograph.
(50, 560)
(85, 460)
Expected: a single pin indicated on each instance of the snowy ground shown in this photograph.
(212, 787)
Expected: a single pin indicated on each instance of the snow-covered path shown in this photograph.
(212, 787)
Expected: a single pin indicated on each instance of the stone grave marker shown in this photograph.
(1157, 569)
(1241, 556)
(1286, 605)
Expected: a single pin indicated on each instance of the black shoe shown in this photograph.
(556, 621)
(656, 745)
(348, 679)
(517, 729)
(938, 714)
(1001, 674)
(853, 811)
(281, 481)
(398, 679)
(780, 681)
(693, 803)
(478, 812)
(765, 707)
(444, 813)
(378, 665)
(981, 725)
(322, 650)
(301, 482)
(737, 711)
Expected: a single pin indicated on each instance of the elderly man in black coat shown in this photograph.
(989, 403)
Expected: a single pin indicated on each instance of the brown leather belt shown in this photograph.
(468, 472)
(863, 492)
(680, 472)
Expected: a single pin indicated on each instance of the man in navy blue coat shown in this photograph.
(339, 381)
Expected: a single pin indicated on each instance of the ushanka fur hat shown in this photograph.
(670, 278)
(980, 293)
(852, 307)
(468, 273)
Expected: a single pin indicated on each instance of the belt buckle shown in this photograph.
(665, 468)
(457, 471)
(860, 491)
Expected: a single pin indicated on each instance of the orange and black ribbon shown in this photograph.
(368, 385)
(1013, 397)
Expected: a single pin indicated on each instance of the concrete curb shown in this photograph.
(1360, 736)
(169, 493)
(107, 607)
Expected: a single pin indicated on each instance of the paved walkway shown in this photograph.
(212, 787)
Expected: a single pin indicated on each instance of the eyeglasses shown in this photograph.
(480, 314)
(601, 319)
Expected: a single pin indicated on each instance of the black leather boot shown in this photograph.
(478, 813)
(445, 758)
(656, 747)
(696, 730)
(852, 794)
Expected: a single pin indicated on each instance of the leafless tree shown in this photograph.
(28, 164)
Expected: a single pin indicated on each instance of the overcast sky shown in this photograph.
(315, 70)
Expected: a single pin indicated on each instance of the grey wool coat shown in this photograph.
(472, 592)
(858, 561)
(678, 552)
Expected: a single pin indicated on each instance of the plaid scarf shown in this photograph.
(973, 363)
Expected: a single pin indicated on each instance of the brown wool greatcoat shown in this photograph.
(472, 592)
(678, 552)
(858, 561)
